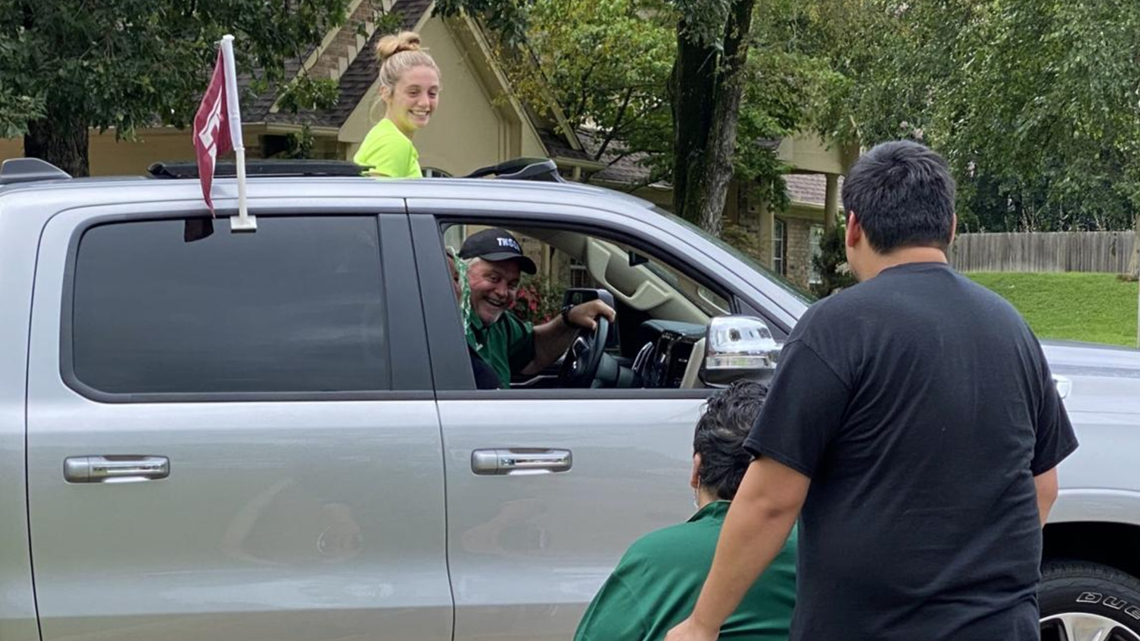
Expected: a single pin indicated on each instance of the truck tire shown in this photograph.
(1082, 601)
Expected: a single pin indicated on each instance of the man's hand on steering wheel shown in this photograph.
(586, 352)
(583, 315)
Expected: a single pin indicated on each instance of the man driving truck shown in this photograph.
(495, 264)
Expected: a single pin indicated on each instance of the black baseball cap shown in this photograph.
(496, 245)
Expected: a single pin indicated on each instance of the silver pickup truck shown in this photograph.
(276, 436)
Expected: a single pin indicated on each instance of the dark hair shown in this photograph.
(902, 194)
(719, 437)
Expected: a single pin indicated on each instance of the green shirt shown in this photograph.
(389, 152)
(656, 585)
(507, 345)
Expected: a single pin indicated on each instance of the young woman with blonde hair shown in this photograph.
(409, 88)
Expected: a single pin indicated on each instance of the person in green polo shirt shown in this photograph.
(495, 264)
(409, 88)
(657, 581)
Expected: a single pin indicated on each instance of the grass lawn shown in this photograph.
(1073, 306)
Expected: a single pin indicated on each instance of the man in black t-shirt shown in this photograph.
(913, 427)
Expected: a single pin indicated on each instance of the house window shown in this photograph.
(779, 247)
(579, 276)
(815, 237)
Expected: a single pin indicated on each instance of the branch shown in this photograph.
(647, 110)
(618, 158)
(652, 178)
(582, 91)
(617, 123)
(630, 152)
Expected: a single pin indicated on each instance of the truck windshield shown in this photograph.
(807, 297)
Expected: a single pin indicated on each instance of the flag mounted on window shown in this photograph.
(217, 130)
(212, 129)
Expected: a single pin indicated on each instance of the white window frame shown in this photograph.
(780, 246)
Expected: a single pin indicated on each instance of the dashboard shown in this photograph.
(666, 349)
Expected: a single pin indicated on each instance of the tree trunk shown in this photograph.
(61, 140)
(726, 114)
(691, 87)
(707, 89)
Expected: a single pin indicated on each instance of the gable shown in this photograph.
(476, 123)
(344, 56)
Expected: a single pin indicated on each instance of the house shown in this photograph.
(783, 241)
(478, 123)
(477, 108)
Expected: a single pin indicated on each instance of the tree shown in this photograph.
(831, 263)
(16, 108)
(605, 64)
(707, 84)
(679, 83)
(68, 65)
(1033, 102)
(704, 86)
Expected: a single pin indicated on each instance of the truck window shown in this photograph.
(296, 307)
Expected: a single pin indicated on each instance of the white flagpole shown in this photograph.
(244, 222)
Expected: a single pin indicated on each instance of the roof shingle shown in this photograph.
(557, 146)
(803, 189)
(625, 169)
(808, 189)
(353, 84)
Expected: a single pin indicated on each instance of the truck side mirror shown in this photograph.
(738, 347)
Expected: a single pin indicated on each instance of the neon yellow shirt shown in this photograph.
(388, 152)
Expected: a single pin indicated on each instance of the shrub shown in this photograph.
(831, 263)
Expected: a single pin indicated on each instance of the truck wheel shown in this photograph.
(1083, 601)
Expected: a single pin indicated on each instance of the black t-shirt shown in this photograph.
(921, 407)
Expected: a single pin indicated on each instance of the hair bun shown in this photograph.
(391, 45)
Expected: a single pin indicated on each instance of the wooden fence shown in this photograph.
(1109, 251)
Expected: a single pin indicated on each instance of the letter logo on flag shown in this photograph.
(211, 130)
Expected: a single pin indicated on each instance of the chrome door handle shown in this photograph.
(118, 469)
(521, 461)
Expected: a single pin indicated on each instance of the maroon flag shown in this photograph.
(212, 129)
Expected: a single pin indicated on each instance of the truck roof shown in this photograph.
(537, 178)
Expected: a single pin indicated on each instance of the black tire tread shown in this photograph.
(1068, 572)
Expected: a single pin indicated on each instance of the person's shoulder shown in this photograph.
(389, 134)
(981, 302)
(514, 325)
(385, 149)
(835, 308)
(827, 327)
(386, 133)
(375, 130)
(660, 546)
(986, 295)
(663, 536)
(937, 278)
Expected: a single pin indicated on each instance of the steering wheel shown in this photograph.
(582, 360)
